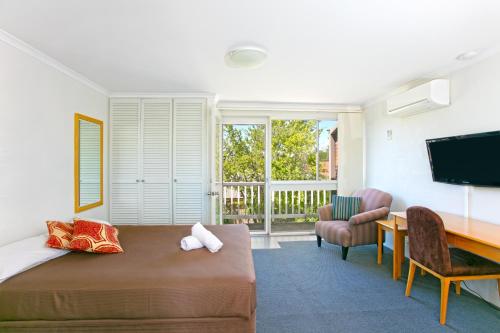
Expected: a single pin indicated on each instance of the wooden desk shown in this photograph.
(475, 236)
(399, 243)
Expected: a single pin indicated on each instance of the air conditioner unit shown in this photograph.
(429, 96)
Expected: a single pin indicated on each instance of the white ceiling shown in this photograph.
(340, 51)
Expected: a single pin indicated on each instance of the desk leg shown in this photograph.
(396, 261)
(402, 252)
(380, 237)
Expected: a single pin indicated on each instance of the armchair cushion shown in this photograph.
(369, 216)
(325, 213)
(334, 232)
(344, 207)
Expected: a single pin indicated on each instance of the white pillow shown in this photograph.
(91, 220)
(22, 255)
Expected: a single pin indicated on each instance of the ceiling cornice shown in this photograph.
(277, 106)
(44, 58)
(169, 94)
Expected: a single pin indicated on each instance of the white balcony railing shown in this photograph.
(243, 202)
(290, 201)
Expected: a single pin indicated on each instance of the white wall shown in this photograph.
(400, 166)
(37, 106)
(350, 135)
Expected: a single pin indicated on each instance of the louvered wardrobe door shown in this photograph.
(125, 170)
(156, 159)
(190, 164)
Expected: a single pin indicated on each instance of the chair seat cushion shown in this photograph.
(334, 232)
(466, 263)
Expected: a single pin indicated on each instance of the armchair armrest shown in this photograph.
(325, 213)
(369, 216)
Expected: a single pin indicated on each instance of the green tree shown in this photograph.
(244, 153)
(293, 151)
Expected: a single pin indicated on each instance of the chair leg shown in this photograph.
(345, 249)
(498, 286)
(380, 244)
(458, 287)
(318, 239)
(411, 275)
(445, 288)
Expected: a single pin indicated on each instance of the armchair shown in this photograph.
(361, 229)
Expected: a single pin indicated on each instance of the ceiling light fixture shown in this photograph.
(468, 55)
(246, 57)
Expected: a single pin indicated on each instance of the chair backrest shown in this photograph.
(427, 237)
(372, 199)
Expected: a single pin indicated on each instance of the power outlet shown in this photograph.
(388, 135)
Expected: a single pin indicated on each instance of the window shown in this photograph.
(304, 150)
(243, 153)
(327, 150)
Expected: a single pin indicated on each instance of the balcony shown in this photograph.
(293, 206)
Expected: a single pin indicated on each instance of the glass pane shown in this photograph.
(243, 154)
(294, 149)
(328, 150)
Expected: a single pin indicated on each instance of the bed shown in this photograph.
(152, 286)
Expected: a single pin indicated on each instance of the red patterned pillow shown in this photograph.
(60, 234)
(95, 237)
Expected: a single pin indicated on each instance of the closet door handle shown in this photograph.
(143, 181)
(137, 180)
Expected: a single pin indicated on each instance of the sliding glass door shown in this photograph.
(244, 173)
(303, 165)
(276, 173)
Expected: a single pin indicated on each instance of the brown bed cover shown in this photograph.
(153, 279)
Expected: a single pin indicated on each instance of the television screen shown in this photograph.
(467, 159)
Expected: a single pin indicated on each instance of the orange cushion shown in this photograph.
(60, 234)
(95, 237)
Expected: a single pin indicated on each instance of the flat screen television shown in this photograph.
(466, 159)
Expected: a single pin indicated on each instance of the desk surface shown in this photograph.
(479, 231)
(390, 224)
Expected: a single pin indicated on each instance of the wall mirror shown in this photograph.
(88, 162)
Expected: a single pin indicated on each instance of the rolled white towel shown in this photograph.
(189, 243)
(207, 238)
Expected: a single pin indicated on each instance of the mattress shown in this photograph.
(152, 280)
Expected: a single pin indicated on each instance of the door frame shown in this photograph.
(215, 173)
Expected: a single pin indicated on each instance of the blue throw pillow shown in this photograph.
(345, 207)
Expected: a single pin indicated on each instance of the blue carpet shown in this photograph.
(303, 288)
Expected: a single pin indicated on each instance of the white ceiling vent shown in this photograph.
(429, 96)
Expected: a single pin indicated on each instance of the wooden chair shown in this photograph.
(429, 251)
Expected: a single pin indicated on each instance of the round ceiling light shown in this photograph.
(246, 57)
(468, 55)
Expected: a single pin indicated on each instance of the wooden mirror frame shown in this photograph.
(79, 117)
